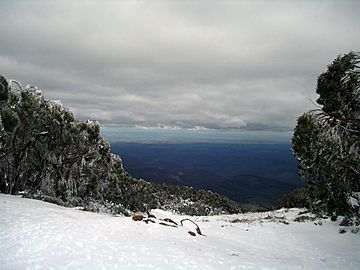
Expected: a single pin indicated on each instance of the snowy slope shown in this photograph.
(39, 235)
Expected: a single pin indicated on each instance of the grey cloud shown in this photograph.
(239, 65)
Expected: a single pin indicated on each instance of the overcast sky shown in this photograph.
(249, 65)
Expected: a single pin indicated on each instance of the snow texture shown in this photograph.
(39, 235)
(354, 200)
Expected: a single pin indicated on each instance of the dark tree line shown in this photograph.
(326, 141)
(46, 153)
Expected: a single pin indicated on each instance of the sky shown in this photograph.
(247, 66)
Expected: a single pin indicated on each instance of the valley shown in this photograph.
(247, 173)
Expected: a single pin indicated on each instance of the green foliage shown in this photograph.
(4, 90)
(338, 87)
(297, 198)
(307, 139)
(304, 218)
(326, 142)
(9, 119)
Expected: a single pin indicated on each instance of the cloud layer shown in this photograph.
(248, 65)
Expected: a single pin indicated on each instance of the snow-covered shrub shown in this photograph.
(354, 202)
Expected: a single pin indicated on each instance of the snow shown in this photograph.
(57, 102)
(354, 200)
(39, 235)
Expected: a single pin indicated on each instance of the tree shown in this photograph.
(326, 141)
(339, 91)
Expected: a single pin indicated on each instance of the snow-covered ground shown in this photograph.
(39, 235)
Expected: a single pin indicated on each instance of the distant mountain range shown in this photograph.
(247, 173)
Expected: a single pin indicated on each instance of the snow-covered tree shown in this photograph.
(326, 141)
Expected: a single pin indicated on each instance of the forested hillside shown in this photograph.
(46, 153)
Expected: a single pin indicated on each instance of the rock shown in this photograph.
(137, 217)
(346, 222)
(284, 222)
(342, 231)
